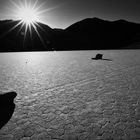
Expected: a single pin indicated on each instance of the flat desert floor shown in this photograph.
(69, 96)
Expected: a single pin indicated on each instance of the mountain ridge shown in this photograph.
(87, 34)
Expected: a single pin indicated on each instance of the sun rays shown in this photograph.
(29, 14)
(28, 11)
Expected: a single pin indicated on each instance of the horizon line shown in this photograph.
(43, 22)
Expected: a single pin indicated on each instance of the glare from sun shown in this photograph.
(28, 11)
(28, 15)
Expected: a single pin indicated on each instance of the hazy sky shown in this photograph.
(66, 12)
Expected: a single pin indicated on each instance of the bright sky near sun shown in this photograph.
(27, 11)
(62, 13)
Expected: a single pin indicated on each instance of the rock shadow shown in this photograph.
(102, 59)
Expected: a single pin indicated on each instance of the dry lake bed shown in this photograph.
(69, 96)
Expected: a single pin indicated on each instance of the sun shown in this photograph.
(28, 15)
(30, 12)
(27, 11)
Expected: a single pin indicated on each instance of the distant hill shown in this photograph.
(88, 34)
(12, 37)
(95, 33)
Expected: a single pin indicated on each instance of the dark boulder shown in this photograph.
(98, 56)
(7, 107)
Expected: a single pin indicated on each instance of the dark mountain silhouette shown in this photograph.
(88, 34)
(12, 37)
(94, 33)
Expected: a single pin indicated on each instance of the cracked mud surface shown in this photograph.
(103, 108)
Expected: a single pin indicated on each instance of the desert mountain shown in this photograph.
(88, 34)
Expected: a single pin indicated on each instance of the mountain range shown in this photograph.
(88, 34)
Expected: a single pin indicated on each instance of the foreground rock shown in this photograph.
(7, 107)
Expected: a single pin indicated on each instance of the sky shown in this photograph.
(63, 13)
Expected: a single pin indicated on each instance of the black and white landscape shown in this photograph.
(78, 82)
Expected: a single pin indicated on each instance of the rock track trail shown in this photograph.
(102, 108)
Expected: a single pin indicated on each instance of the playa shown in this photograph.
(68, 96)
